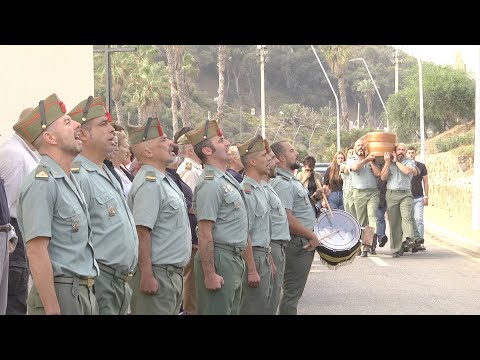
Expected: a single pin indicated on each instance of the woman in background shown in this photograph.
(333, 183)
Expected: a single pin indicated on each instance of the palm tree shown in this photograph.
(222, 54)
(337, 57)
(178, 51)
(367, 89)
(173, 84)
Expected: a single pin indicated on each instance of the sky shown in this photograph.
(444, 54)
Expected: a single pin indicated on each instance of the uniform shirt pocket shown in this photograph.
(72, 220)
(173, 212)
(233, 207)
(109, 207)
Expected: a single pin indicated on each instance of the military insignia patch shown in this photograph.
(150, 176)
(209, 175)
(42, 172)
(188, 166)
(247, 188)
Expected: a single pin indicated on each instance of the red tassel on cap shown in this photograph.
(109, 116)
(62, 106)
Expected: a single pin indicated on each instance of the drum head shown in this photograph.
(341, 237)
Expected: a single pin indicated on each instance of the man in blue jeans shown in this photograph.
(380, 236)
(419, 192)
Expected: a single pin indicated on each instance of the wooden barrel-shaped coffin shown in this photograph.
(380, 142)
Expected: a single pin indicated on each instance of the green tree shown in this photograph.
(367, 89)
(448, 98)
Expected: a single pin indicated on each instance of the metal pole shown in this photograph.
(476, 159)
(296, 134)
(396, 70)
(378, 92)
(109, 77)
(358, 117)
(262, 84)
(336, 98)
(422, 121)
(240, 124)
(310, 140)
(277, 133)
(258, 127)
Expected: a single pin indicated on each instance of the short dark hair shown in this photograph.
(198, 149)
(411, 147)
(278, 148)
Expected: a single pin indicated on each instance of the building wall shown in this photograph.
(30, 73)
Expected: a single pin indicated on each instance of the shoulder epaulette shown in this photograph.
(150, 176)
(247, 188)
(188, 166)
(42, 172)
(209, 174)
(76, 167)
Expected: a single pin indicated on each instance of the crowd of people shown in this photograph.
(116, 221)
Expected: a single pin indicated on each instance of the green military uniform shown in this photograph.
(114, 234)
(365, 195)
(298, 261)
(219, 198)
(254, 300)
(280, 236)
(158, 204)
(399, 205)
(51, 204)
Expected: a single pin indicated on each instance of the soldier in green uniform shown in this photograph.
(53, 216)
(366, 196)
(280, 236)
(399, 172)
(347, 185)
(254, 154)
(160, 212)
(114, 236)
(221, 212)
(301, 220)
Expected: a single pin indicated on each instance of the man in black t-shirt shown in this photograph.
(419, 188)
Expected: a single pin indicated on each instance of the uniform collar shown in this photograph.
(146, 168)
(251, 181)
(285, 172)
(194, 163)
(55, 169)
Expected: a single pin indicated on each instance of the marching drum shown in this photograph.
(339, 234)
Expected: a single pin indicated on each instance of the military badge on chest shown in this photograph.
(111, 211)
(75, 225)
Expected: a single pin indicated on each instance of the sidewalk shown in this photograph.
(450, 228)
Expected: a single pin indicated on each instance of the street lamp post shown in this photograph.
(422, 120)
(334, 94)
(371, 77)
(262, 49)
(310, 140)
(296, 134)
(258, 127)
(277, 132)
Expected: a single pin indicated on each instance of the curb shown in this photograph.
(450, 237)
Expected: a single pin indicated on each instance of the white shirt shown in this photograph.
(190, 174)
(16, 161)
(125, 181)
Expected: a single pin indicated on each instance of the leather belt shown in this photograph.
(231, 248)
(266, 250)
(116, 273)
(177, 269)
(72, 280)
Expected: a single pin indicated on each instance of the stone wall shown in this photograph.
(449, 187)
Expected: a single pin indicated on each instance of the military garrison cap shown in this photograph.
(150, 130)
(30, 126)
(205, 131)
(183, 140)
(255, 144)
(89, 109)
